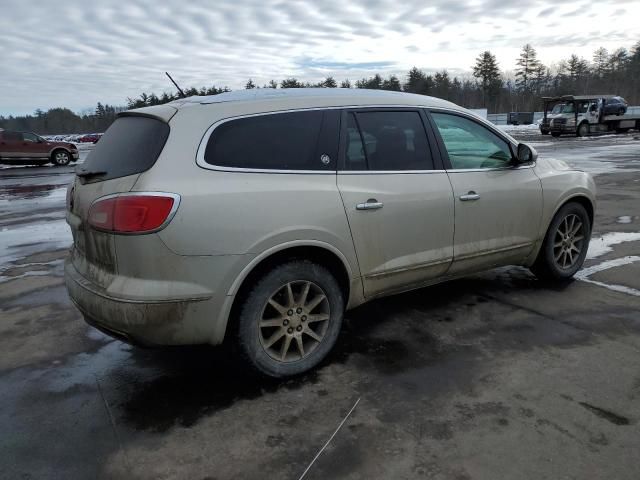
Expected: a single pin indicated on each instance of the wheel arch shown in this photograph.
(318, 252)
(55, 149)
(582, 200)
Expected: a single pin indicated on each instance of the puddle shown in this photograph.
(24, 240)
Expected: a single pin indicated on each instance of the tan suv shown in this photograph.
(26, 148)
(261, 216)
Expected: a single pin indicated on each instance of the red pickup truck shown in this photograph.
(26, 148)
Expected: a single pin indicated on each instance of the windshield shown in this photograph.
(563, 108)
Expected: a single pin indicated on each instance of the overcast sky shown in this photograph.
(75, 53)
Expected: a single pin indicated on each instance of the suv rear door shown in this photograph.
(397, 197)
(10, 144)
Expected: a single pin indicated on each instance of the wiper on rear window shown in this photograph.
(89, 173)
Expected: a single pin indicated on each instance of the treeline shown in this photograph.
(616, 72)
(62, 120)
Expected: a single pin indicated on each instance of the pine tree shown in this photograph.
(345, 84)
(527, 63)
(577, 67)
(601, 62)
(249, 85)
(417, 82)
(329, 82)
(291, 83)
(373, 83)
(392, 83)
(486, 70)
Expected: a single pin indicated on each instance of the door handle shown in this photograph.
(371, 204)
(469, 197)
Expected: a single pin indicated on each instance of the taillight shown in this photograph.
(133, 213)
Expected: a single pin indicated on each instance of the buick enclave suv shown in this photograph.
(259, 217)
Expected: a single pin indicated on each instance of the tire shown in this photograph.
(552, 262)
(621, 112)
(274, 319)
(583, 130)
(555, 134)
(61, 157)
(544, 132)
(622, 130)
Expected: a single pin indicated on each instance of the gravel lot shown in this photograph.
(495, 376)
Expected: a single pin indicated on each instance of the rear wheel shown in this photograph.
(565, 244)
(290, 320)
(61, 158)
(583, 129)
(555, 134)
(621, 111)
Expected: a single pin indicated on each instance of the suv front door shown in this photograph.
(398, 203)
(34, 147)
(498, 206)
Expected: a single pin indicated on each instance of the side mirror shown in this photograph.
(526, 154)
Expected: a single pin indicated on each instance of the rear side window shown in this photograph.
(131, 145)
(283, 141)
(8, 136)
(387, 141)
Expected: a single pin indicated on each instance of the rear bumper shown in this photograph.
(157, 322)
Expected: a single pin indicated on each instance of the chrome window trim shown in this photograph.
(174, 208)
(200, 161)
(388, 172)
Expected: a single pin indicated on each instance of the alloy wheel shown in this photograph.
(568, 241)
(62, 158)
(294, 321)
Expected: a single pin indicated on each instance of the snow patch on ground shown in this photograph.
(602, 245)
(624, 219)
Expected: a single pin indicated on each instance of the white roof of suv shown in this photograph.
(332, 96)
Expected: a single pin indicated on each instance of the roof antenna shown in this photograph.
(174, 82)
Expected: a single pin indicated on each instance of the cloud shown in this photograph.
(66, 53)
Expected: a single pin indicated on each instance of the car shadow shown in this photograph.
(179, 385)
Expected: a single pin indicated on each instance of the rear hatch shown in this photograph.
(130, 147)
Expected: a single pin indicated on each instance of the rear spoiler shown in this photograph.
(159, 112)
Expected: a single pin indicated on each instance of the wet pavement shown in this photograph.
(493, 376)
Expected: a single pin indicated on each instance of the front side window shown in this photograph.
(30, 137)
(282, 141)
(387, 141)
(471, 145)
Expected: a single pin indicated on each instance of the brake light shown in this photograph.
(128, 213)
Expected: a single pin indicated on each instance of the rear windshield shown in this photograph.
(131, 145)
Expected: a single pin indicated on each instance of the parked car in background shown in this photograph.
(20, 148)
(258, 217)
(90, 138)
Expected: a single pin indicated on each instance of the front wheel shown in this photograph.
(290, 320)
(565, 244)
(61, 158)
(555, 134)
(583, 130)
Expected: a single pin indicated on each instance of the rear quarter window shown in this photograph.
(131, 145)
(279, 141)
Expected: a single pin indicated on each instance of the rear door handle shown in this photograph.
(469, 197)
(371, 204)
